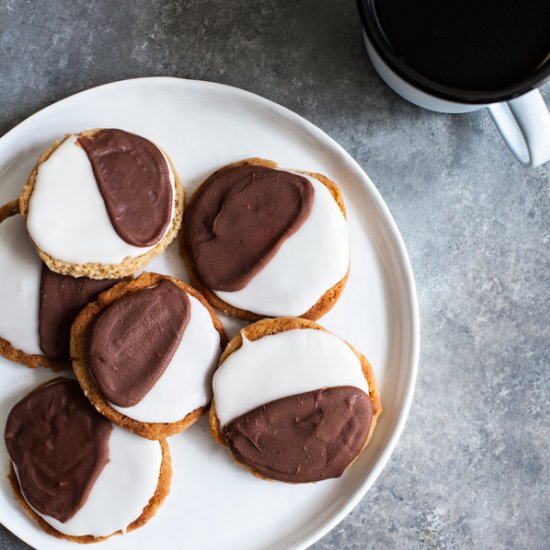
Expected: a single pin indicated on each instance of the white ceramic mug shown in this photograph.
(523, 119)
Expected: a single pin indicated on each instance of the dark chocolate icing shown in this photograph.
(302, 438)
(238, 220)
(133, 178)
(133, 341)
(59, 445)
(61, 299)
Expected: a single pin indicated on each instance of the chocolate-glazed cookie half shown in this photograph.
(62, 298)
(123, 163)
(305, 437)
(59, 446)
(240, 218)
(132, 342)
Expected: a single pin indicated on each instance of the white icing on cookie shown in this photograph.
(280, 365)
(67, 217)
(20, 269)
(122, 490)
(309, 263)
(185, 385)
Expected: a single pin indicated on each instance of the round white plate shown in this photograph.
(214, 503)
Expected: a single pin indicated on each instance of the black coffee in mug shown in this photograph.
(479, 46)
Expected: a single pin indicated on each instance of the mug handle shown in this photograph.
(524, 124)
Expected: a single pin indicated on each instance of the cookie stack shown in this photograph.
(290, 400)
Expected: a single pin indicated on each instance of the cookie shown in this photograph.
(38, 306)
(76, 475)
(102, 204)
(264, 242)
(293, 402)
(144, 354)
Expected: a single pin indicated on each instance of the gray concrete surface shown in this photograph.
(472, 468)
